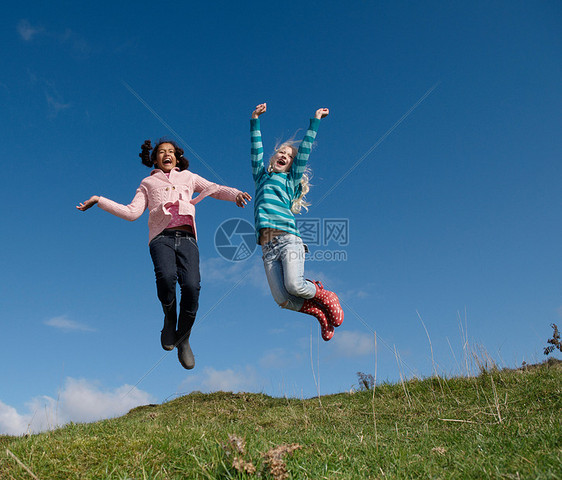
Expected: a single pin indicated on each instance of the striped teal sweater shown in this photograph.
(275, 192)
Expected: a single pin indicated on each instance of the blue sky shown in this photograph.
(454, 214)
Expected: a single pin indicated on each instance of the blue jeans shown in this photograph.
(175, 255)
(283, 259)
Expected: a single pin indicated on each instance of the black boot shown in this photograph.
(185, 355)
(168, 335)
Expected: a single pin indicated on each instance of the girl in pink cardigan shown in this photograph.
(167, 194)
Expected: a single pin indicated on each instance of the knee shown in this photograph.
(190, 286)
(190, 291)
(281, 300)
(295, 287)
(166, 283)
(284, 304)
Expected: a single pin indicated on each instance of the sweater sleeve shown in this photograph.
(257, 149)
(300, 161)
(206, 188)
(127, 212)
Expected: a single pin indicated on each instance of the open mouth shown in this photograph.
(167, 161)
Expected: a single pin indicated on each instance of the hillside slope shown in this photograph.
(502, 424)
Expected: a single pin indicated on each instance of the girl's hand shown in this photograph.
(261, 108)
(242, 199)
(321, 113)
(88, 203)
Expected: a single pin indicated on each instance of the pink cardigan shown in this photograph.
(157, 190)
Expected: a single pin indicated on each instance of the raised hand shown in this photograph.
(261, 108)
(321, 113)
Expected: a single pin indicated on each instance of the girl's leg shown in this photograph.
(283, 260)
(293, 267)
(189, 278)
(292, 259)
(274, 274)
(164, 260)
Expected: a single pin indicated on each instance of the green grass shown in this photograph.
(502, 424)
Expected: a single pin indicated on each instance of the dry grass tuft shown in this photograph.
(243, 466)
(439, 450)
(274, 459)
(236, 444)
(236, 447)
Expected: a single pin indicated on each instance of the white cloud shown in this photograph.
(353, 344)
(67, 325)
(229, 380)
(27, 31)
(79, 401)
(69, 37)
(11, 422)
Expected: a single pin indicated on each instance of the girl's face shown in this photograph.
(166, 157)
(282, 159)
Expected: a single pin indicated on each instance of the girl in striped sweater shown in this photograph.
(280, 190)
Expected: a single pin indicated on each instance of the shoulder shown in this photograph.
(183, 176)
(193, 176)
(147, 181)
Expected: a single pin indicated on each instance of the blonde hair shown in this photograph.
(298, 203)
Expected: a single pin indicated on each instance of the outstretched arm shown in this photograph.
(88, 203)
(301, 159)
(257, 145)
(127, 212)
(221, 192)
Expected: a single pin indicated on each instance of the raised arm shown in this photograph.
(301, 159)
(257, 145)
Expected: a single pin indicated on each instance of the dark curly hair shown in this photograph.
(149, 159)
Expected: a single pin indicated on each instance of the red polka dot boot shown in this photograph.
(312, 308)
(330, 303)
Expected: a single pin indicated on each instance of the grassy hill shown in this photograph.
(501, 424)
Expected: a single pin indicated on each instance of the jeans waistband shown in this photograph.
(176, 233)
(278, 239)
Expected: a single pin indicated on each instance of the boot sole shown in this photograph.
(186, 357)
